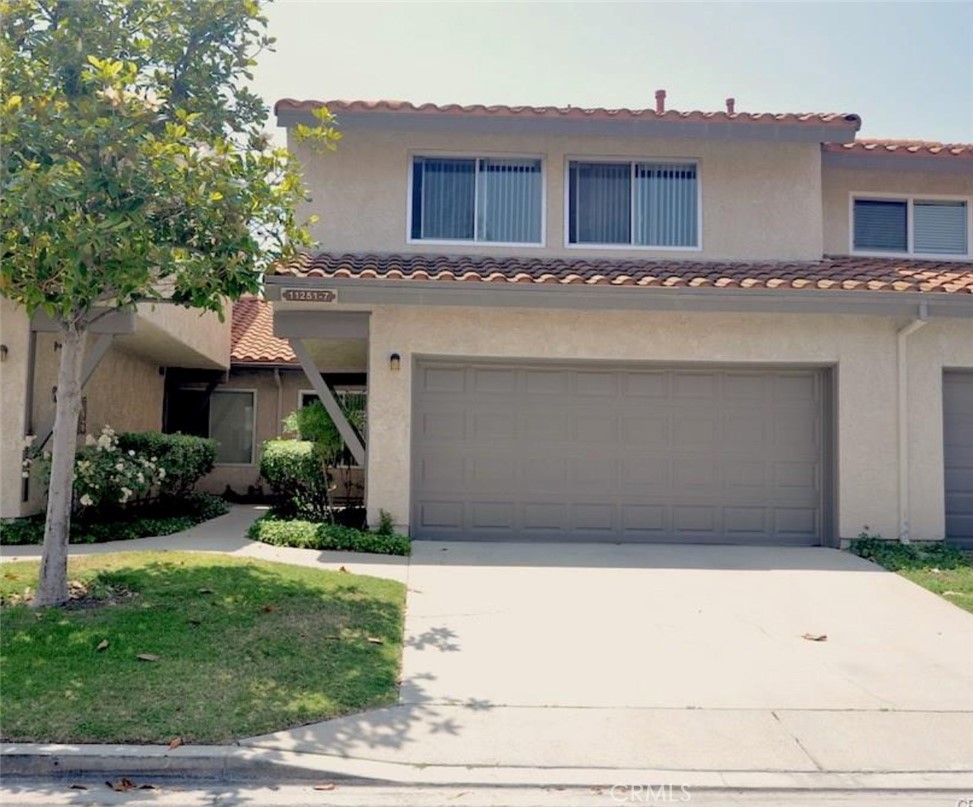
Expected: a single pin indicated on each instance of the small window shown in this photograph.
(641, 204)
(491, 200)
(911, 226)
(231, 425)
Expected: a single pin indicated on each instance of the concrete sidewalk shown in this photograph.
(227, 535)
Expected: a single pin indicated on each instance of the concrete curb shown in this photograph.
(236, 763)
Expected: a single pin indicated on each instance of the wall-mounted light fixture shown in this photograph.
(395, 362)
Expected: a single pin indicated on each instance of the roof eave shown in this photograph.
(900, 161)
(838, 131)
(374, 291)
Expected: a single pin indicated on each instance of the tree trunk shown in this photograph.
(52, 588)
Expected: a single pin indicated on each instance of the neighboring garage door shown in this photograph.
(593, 453)
(958, 451)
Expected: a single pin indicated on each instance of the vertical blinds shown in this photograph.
(881, 225)
(647, 204)
(938, 227)
(496, 200)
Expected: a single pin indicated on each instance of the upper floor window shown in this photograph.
(489, 199)
(911, 226)
(642, 204)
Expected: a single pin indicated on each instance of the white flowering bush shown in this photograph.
(113, 471)
(107, 477)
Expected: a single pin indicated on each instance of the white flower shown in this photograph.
(90, 440)
(119, 466)
(154, 459)
(29, 440)
(162, 473)
(86, 501)
(131, 452)
(25, 474)
(140, 478)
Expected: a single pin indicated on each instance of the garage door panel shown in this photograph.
(443, 379)
(596, 385)
(492, 515)
(646, 384)
(958, 455)
(492, 381)
(649, 431)
(575, 453)
(650, 518)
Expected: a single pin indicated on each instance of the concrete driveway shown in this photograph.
(679, 627)
(614, 659)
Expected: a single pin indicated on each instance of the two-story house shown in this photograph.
(643, 325)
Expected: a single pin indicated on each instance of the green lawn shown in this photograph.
(244, 647)
(955, 585)
(942, 569)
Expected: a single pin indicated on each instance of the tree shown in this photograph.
(133, 168)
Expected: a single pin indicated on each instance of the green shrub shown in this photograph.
(386, 524)
(19, 531)
(185, 458)
(162, 517)
(895, 556)
(272, 529)
(297, 476)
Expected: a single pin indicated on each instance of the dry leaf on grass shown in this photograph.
(815, 637)
(174, 743)
(374, 640)
(147, 657)
(102, 645)
(342, 569)
(268, 609)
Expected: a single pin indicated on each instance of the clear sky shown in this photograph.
(906, 68)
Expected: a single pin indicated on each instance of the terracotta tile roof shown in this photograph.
(929, 148)
(847, 273)
(252, 339)
(839, 120)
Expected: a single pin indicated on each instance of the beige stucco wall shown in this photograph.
(838, 184)
(862, 350)
(759, 199)
(14, 335)
(180, 337)
(125, 392)
(273, 404)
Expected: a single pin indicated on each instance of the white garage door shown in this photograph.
(591, 453)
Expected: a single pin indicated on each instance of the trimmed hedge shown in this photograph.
(272, 529)
(296, 473)
(162, 518)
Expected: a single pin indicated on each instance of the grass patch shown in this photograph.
(943, 569)
(273, 529)
(243, 647)
(161, 517)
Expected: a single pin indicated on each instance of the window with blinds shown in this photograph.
(641, 204)
(488, 199)
(911, 226)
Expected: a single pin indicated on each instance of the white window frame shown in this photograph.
(465, 155)
(910, 199)
(568, 159)
(253, 427)
(339, 388)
